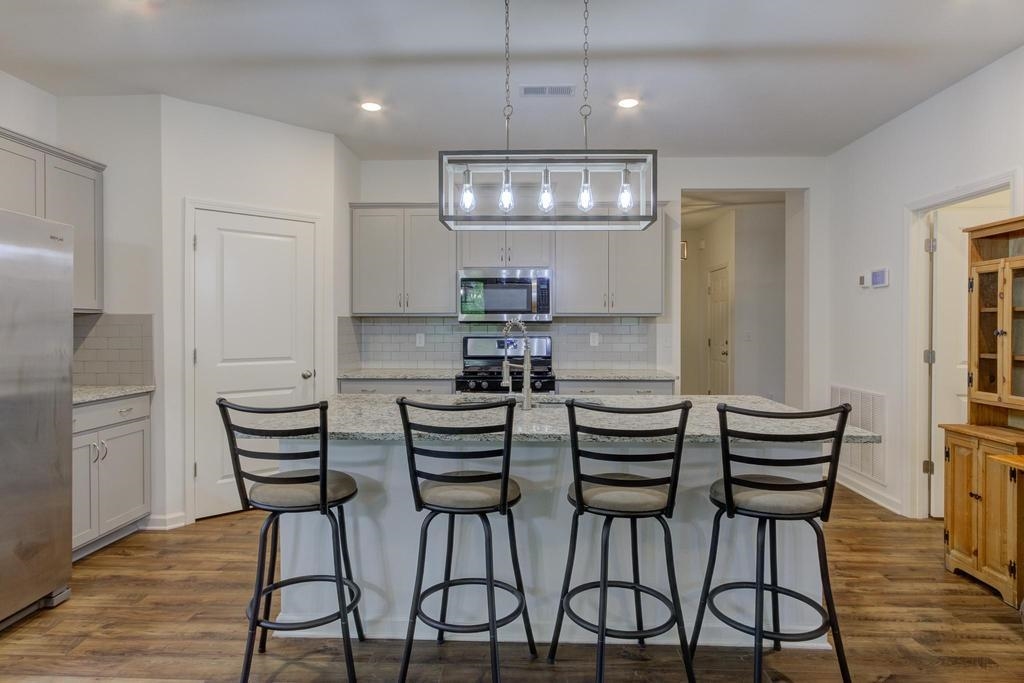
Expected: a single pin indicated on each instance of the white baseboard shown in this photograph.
(163, 522)
(103, 541)
(870, 490)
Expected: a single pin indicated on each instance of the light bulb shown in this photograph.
(585, 202)
(467, 200)
(625, 192)
(546, 200)
(506, 202)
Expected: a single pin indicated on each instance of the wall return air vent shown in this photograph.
(547, 90)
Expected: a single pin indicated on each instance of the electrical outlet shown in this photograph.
(421, 339)
(595, 339)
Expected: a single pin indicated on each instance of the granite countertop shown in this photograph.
(91, 393)
(614, 375)
(376, 418)
(398, 373)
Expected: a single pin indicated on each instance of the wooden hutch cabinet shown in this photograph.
(983, 457)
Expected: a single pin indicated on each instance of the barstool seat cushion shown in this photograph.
(622, 498)
(339, 487)
(771, 502)
(467, 495)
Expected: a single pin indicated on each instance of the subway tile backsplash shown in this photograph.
(625, 342)
(113, 348)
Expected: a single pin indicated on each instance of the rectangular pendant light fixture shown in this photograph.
(548, 190)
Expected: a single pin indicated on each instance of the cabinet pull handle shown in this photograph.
(368, 391)
(501, 254)
(508, 254)
(94, 447)
(407, 301)
(125, 411)
(606, 301)
(106, 449)
(587, 391)
(645, 391)
(424, 391)
(613, 299)
(399, 299)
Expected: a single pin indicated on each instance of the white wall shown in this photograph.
(28, 110)
(215, 154)
(969, 132)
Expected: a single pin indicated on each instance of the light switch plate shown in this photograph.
(595, 339)
(421, 339)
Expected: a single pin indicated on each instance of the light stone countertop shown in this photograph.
(91, 393)
(398, 373)
(624, 375)
(376, 418)
(449, 373)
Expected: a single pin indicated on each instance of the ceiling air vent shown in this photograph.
(547, 90)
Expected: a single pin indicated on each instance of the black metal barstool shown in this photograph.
(619, 495)
(306, 490)
(769, 499)
(465, 492)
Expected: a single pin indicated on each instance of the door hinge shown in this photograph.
(1012, 568)
(970, 379)
(929, 356)
(931, 245)
(945, 536)
(1013, 474)
(928, 467)
(195, 356)
(195, 242)
(195, 470)
(970, 284)
(947, 453)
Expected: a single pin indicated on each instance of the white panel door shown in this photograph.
(482, 248)
(123, 474)
(581, 272)
(429, 264)
(635, 271)
(21, 178)
(255, 321)
(949, 333)
(528, 248)
(377, 260)
(719, 315)
(85, 516)
(74, 195)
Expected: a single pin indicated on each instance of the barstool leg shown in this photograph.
(492, 612)
(774, 560)
(830, 603)
(677, 607)
(636, 579)
(519, 582)
(270, 579)
(350, 665)
(602, 605)
(417, 587)
(257, 595)
(348, 570)
(447, 574)
(759, 602)
(569, 562)
(712, 558)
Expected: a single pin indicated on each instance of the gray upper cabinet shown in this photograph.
(403, 262)
(581, 272)
(506, 248)
(42, 180)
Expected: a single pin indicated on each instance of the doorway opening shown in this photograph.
(733, 297)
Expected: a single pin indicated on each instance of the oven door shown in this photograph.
(502, 294)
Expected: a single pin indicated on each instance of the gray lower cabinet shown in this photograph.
(110, 473)
(615, 387)
(45, 181)
(406, 387)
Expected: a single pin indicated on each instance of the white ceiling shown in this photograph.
(715, 77)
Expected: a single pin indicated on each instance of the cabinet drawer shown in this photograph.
(96, 415)
(395, 386)
(615, 387)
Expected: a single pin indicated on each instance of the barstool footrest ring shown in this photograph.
(270, 625)
(766, 633)
(614, 632)
(469, 628)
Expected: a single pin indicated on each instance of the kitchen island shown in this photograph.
(366, 441)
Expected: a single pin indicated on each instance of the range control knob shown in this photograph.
(483, 385)
(472, 384)
(537, 384)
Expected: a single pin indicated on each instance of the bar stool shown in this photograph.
(769, 499)
(461, 493)
(620, 495)
(305, 490)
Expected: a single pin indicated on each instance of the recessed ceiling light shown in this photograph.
(371, 106)
(628, 103)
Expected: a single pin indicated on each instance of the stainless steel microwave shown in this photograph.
(501, 294)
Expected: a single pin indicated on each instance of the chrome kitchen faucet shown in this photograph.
(506, 366)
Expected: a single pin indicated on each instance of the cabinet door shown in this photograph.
(636, 284)
(997, 521)
(74, 195)
(984, 327)
(429, 264)
(1012, 370)
(377, 261)
(528, 248)
(581, 272)
(21, 178)
(85, 514)
(482, 248)
(123, 474)
(961, 509)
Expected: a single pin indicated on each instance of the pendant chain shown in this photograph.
(585, 109)
(507, 111)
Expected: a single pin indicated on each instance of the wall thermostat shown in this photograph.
(880, 278)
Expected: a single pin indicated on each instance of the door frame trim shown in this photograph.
(324, 341)
(728, 332)
(915, 290)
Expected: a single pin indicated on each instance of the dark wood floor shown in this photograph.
(166, 606)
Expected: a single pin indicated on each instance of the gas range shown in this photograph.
(482, 358)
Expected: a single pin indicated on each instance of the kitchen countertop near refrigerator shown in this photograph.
(92, 393)
(624, 375)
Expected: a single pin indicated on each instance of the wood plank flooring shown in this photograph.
(168, 607)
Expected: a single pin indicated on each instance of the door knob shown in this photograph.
(725, 353)
(306, 374)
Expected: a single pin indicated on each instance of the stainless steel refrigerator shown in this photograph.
(35, 413)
